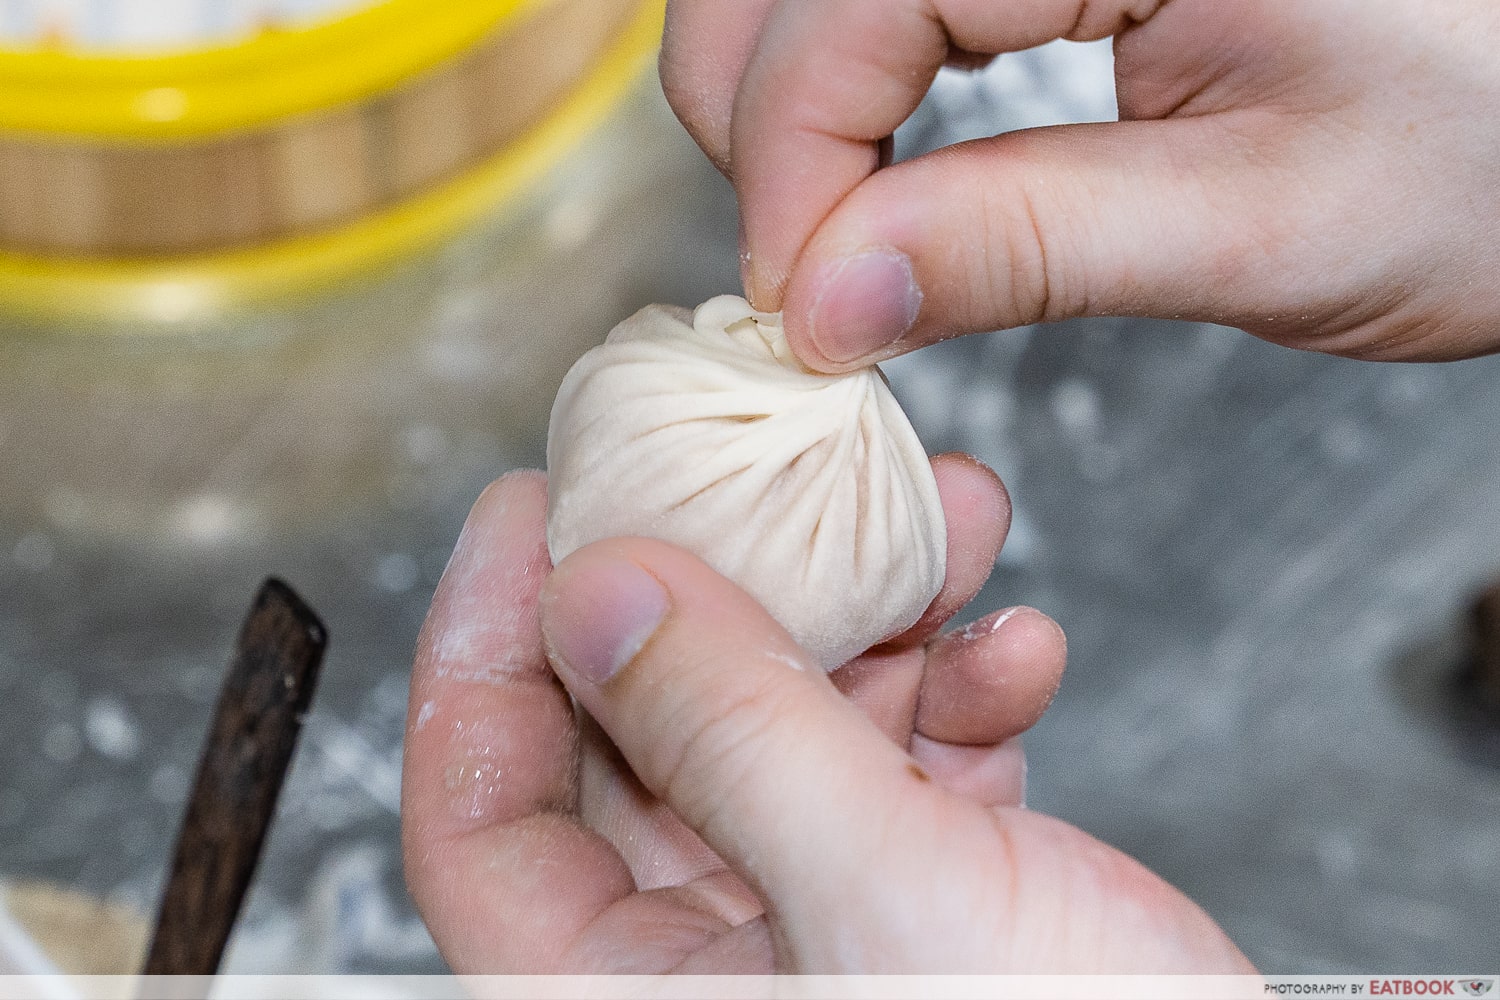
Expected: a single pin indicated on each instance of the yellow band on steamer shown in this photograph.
(171, 290)
(168, 96)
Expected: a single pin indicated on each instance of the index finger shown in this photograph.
(704, 48)
(826, 83)
(502, 871)
(829, 80)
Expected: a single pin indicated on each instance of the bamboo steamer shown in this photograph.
(74, 933)
(176, 182)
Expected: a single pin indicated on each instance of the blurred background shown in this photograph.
(1264, 560)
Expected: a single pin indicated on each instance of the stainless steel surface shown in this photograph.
(1260, 557)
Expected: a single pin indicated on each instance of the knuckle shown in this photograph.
(1015, 278)
(719, 742)
(676, 84)
(704, 113)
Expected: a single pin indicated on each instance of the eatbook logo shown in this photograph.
(1477, 987)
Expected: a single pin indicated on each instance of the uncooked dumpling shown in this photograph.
(810, 491)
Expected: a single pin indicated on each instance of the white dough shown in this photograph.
(810, 491)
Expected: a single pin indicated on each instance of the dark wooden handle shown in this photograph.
(1480, 683)
(245, 757)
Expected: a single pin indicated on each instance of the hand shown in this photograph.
(1317, 172)
(733, 809)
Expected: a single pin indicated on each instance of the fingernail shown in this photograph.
(862, 303)
(602, 615)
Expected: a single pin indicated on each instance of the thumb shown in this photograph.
(720, 714)
(1164, 218)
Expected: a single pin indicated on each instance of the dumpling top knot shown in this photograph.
(810, 491)
(732, 316)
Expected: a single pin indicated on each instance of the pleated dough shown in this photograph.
(810, 491)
